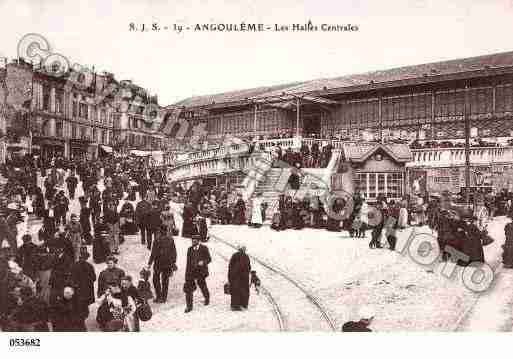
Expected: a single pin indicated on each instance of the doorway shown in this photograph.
(311, 126)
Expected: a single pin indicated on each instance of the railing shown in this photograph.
(219, 152)
(455, 156)
(243, 162)
(284, 143)
(236, 149)
(212, 161)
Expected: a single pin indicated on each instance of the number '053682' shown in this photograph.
(24, 342)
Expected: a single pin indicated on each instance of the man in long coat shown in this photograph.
(163, 258)
(72, 182)
(142, 210)
(74, 234)
(239, 269)
(196, 271)
(188, 229)
(83, 277)
(472, 246)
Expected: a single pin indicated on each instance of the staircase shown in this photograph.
(275, 180)
(272, 182)
(272, 185)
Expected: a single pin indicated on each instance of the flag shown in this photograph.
(167, 125)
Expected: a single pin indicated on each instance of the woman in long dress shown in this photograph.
(403, 217)
(177, 210)
(188, 228)
(116, 311)
(256, 212)
(239, 211)
(100, 247)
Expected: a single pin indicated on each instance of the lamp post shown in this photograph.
(297, 116)
(467, 146)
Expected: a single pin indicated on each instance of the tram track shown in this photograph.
(268, 296)
(293, 319)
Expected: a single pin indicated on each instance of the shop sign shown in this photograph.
(47, 142)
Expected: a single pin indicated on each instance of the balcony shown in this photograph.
(212, 166)
(455, 156)
(235, 156)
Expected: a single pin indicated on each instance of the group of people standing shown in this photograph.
(48, 282)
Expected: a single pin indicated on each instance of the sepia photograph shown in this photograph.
(259, 167)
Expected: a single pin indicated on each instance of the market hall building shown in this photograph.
(427, 102)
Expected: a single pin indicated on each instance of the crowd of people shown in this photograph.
(478, 142)
(48, 283)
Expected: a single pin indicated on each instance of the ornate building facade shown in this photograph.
(48, 114)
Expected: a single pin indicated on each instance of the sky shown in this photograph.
(177, 66)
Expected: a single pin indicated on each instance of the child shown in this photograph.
(143, 287)
(356, 226)
(255, 280)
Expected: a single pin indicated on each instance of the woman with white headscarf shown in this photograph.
(256, 211)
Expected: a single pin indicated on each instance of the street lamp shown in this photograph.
(467, 145)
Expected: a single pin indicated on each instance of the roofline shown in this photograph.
(429, 79)
(364, 156)
(416, 81)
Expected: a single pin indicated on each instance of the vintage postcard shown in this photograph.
(255, 166)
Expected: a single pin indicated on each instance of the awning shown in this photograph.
(107, 149)
(139, 153)
(44, 141)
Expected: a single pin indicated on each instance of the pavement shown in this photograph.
(346, 274)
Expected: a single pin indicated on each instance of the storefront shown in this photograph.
(79, 149)
(376, 169)
(452, 179)
(48, 147)
(18, 149)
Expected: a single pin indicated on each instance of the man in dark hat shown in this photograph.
(95, 202)
(85, 220)
(295, 179)
(196, 271)
(472, 246)
(101, 247)
(112, 274)
(111, 217)
(444, 232)
(163, 258)
(142, 210)
(153, 223)
(83, 277)
(72, 182)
